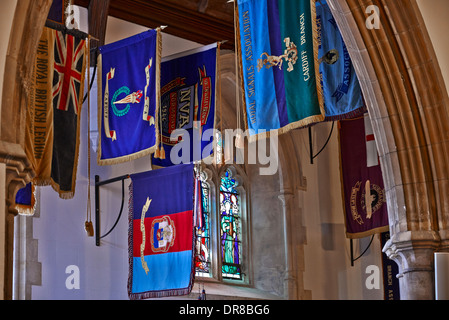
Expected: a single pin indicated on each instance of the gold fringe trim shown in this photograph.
(99, 103)
(158, 85)
(319, 89)
(367, 233)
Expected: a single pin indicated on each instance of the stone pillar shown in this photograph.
(15, 173)
(290, 281)
(414, 254)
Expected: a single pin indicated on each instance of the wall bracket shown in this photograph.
(99, 183)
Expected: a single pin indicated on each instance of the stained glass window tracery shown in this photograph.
(230, 227)
(218, 240)
(203, 236)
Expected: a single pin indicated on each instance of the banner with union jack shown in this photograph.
(52, 134)
(68, 91)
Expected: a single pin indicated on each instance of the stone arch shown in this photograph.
(407, 103)
(408, 107)
(29, 19)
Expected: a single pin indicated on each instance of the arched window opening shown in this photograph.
(230, 227)
(203, 231)
(219, 244)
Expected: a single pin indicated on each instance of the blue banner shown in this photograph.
(341, 88)
(187, 105)
(128, 89)
(390, 271)
(161, 237)
(279, 57)
(25, 200)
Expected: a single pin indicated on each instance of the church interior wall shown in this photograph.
(327, 273)
(323, 262)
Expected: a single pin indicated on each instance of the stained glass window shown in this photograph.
(230, 227)
(202, 245)
(228, 219)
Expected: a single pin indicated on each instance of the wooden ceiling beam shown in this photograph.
(182, 22)
(98, 11)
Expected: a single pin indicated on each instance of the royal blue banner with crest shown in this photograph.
(161, 236)
(341, 88)
(128, 97)
(187, 105)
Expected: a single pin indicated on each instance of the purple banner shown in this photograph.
(363, 188)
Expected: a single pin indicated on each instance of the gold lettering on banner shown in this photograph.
(250, 75)
(146, 116)
(355, 215)
(109, 133)
(142, 228)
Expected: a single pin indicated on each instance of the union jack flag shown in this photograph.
(68, 68)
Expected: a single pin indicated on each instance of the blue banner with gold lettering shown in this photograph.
(187, 106)
(128, 97)
(341, 88)
(279, 62)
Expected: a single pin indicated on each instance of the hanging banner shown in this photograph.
(363, 188)
(128, 75)
(39, 121)
(161, 237)
(57, 10)
(279, 61)
(188, 104)
(390, 271)
(68, 91)
(52, 135)
(341, 88)
(26, 200)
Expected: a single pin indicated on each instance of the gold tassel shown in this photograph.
(89, 228)
(162, 152)
(239, 141)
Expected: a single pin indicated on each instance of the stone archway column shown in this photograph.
(415, 258)
(15, 172)
(408, 106)
(290, 281)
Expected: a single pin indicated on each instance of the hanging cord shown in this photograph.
(93, 77)
(88, 224)
(89, 37)
(221, 154)
(239, 137)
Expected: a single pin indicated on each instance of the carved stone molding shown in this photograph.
(29, 19)
(408, 107)
(414, 255)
